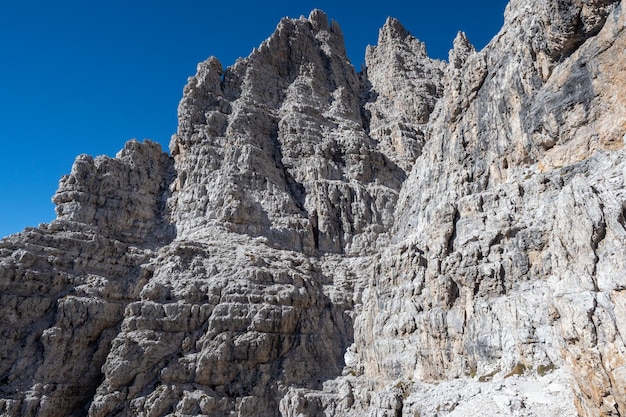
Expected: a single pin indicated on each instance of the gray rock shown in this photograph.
(421, 238)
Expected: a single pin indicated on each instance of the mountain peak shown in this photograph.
(393, 29)
(420, 237)
(319, 20)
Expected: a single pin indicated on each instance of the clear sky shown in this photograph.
(86, 76)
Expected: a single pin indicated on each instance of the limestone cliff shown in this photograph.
(421, 238)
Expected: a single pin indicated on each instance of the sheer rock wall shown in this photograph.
(421, 238)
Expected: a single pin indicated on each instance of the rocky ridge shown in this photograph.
(422, 238)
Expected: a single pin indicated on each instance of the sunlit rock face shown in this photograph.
(420, 238)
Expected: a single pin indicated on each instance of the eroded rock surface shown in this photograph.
(422, 238)
(274, 146)
(65, 285)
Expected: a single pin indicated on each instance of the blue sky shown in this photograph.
(86, 76)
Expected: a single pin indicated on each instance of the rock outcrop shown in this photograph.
(421, 238)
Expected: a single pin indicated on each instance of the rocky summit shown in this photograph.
(421, 238)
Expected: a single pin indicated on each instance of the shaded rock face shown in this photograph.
(421, 238)
(65, 285)
(275, 147)
(402, 85)
(531, 210)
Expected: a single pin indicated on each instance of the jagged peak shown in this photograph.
(317, 25)
(210, 72)
(461, 49)
(393, 29)
(393, 32)
(462, 42)
(319, 20)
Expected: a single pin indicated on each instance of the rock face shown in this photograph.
(422, 238)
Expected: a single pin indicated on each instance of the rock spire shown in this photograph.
(420, 238)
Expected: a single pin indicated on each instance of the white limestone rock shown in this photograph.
(402, 85)
(422, 238)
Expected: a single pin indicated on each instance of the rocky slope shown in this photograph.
(422, 238)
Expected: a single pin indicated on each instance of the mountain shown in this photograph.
(422, 238)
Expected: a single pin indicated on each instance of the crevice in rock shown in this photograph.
(315, 229)
(452, 236)
(621, 217)
(502, 279)
(453, 293)
(296, 189)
